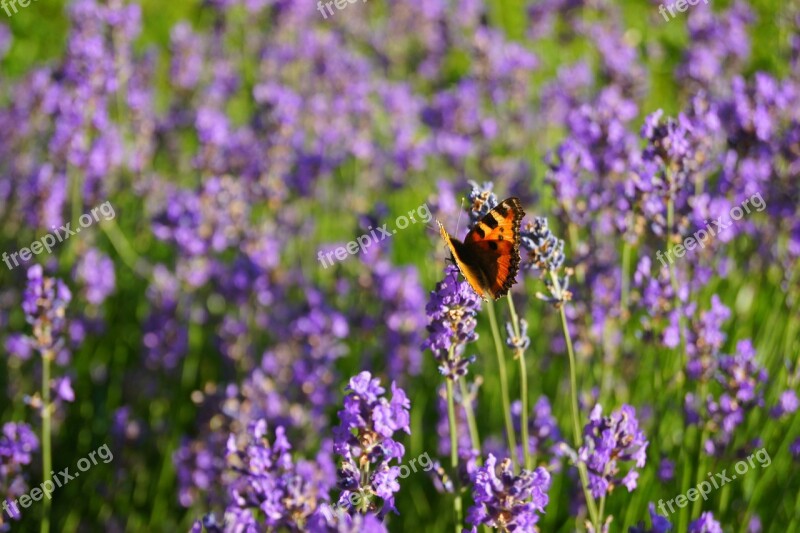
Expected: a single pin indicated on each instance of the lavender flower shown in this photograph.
(45, 302)
(608, 441)
(787, 404)
(520, 343)
(17, 443)
(333, 520)
(96, 271)
(704, 340)
(270, 489)
(506, 501)
(542, 251)
(482, 200)
(545, 251)
(794, 449)
(666, 470)
(705, 524)
(364, 440)
(741, 377)
(451, 310)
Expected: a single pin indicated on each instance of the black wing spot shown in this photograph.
(479, 231)
(490, 221)
(501, 237)
(493, 245)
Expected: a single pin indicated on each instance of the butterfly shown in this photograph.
(489, 256)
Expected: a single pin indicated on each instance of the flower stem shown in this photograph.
(626, 283)
(512, 440)
(46, 437)
(523, 381)
(576, 424)
(466, 402)
(451, 415)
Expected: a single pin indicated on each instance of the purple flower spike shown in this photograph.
(482, 200)
(451, 311)
(787, 404)
(45, 302)
(705, 524)
(794, 449)
(17, 443)
(268, 484)
(507, 501)
(608, 441)
(364, 439)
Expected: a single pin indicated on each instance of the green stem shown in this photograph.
(512, 440)
(576, 424)
(451, 415)
(123, 247)
(677, 372)
(466, 402)
(46, 437)
(625, 291)
(602, 507)
(523, 379)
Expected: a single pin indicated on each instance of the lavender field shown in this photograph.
(226, 305)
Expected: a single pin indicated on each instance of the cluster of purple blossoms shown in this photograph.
(364, 439)
(794, 449)
(507, 501)
(451, 310)
(704, 339)
(705, 524)
(742, 379)
(544, 252)
(269, 489)
(787, 404)
(17, 443)
(95, 271)
(481, 201)
(45, 303)
(607, 442)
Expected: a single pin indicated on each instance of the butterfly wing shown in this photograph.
(466, 263)
(489, 256)
(493, 247)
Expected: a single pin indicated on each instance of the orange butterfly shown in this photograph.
(489, 256)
